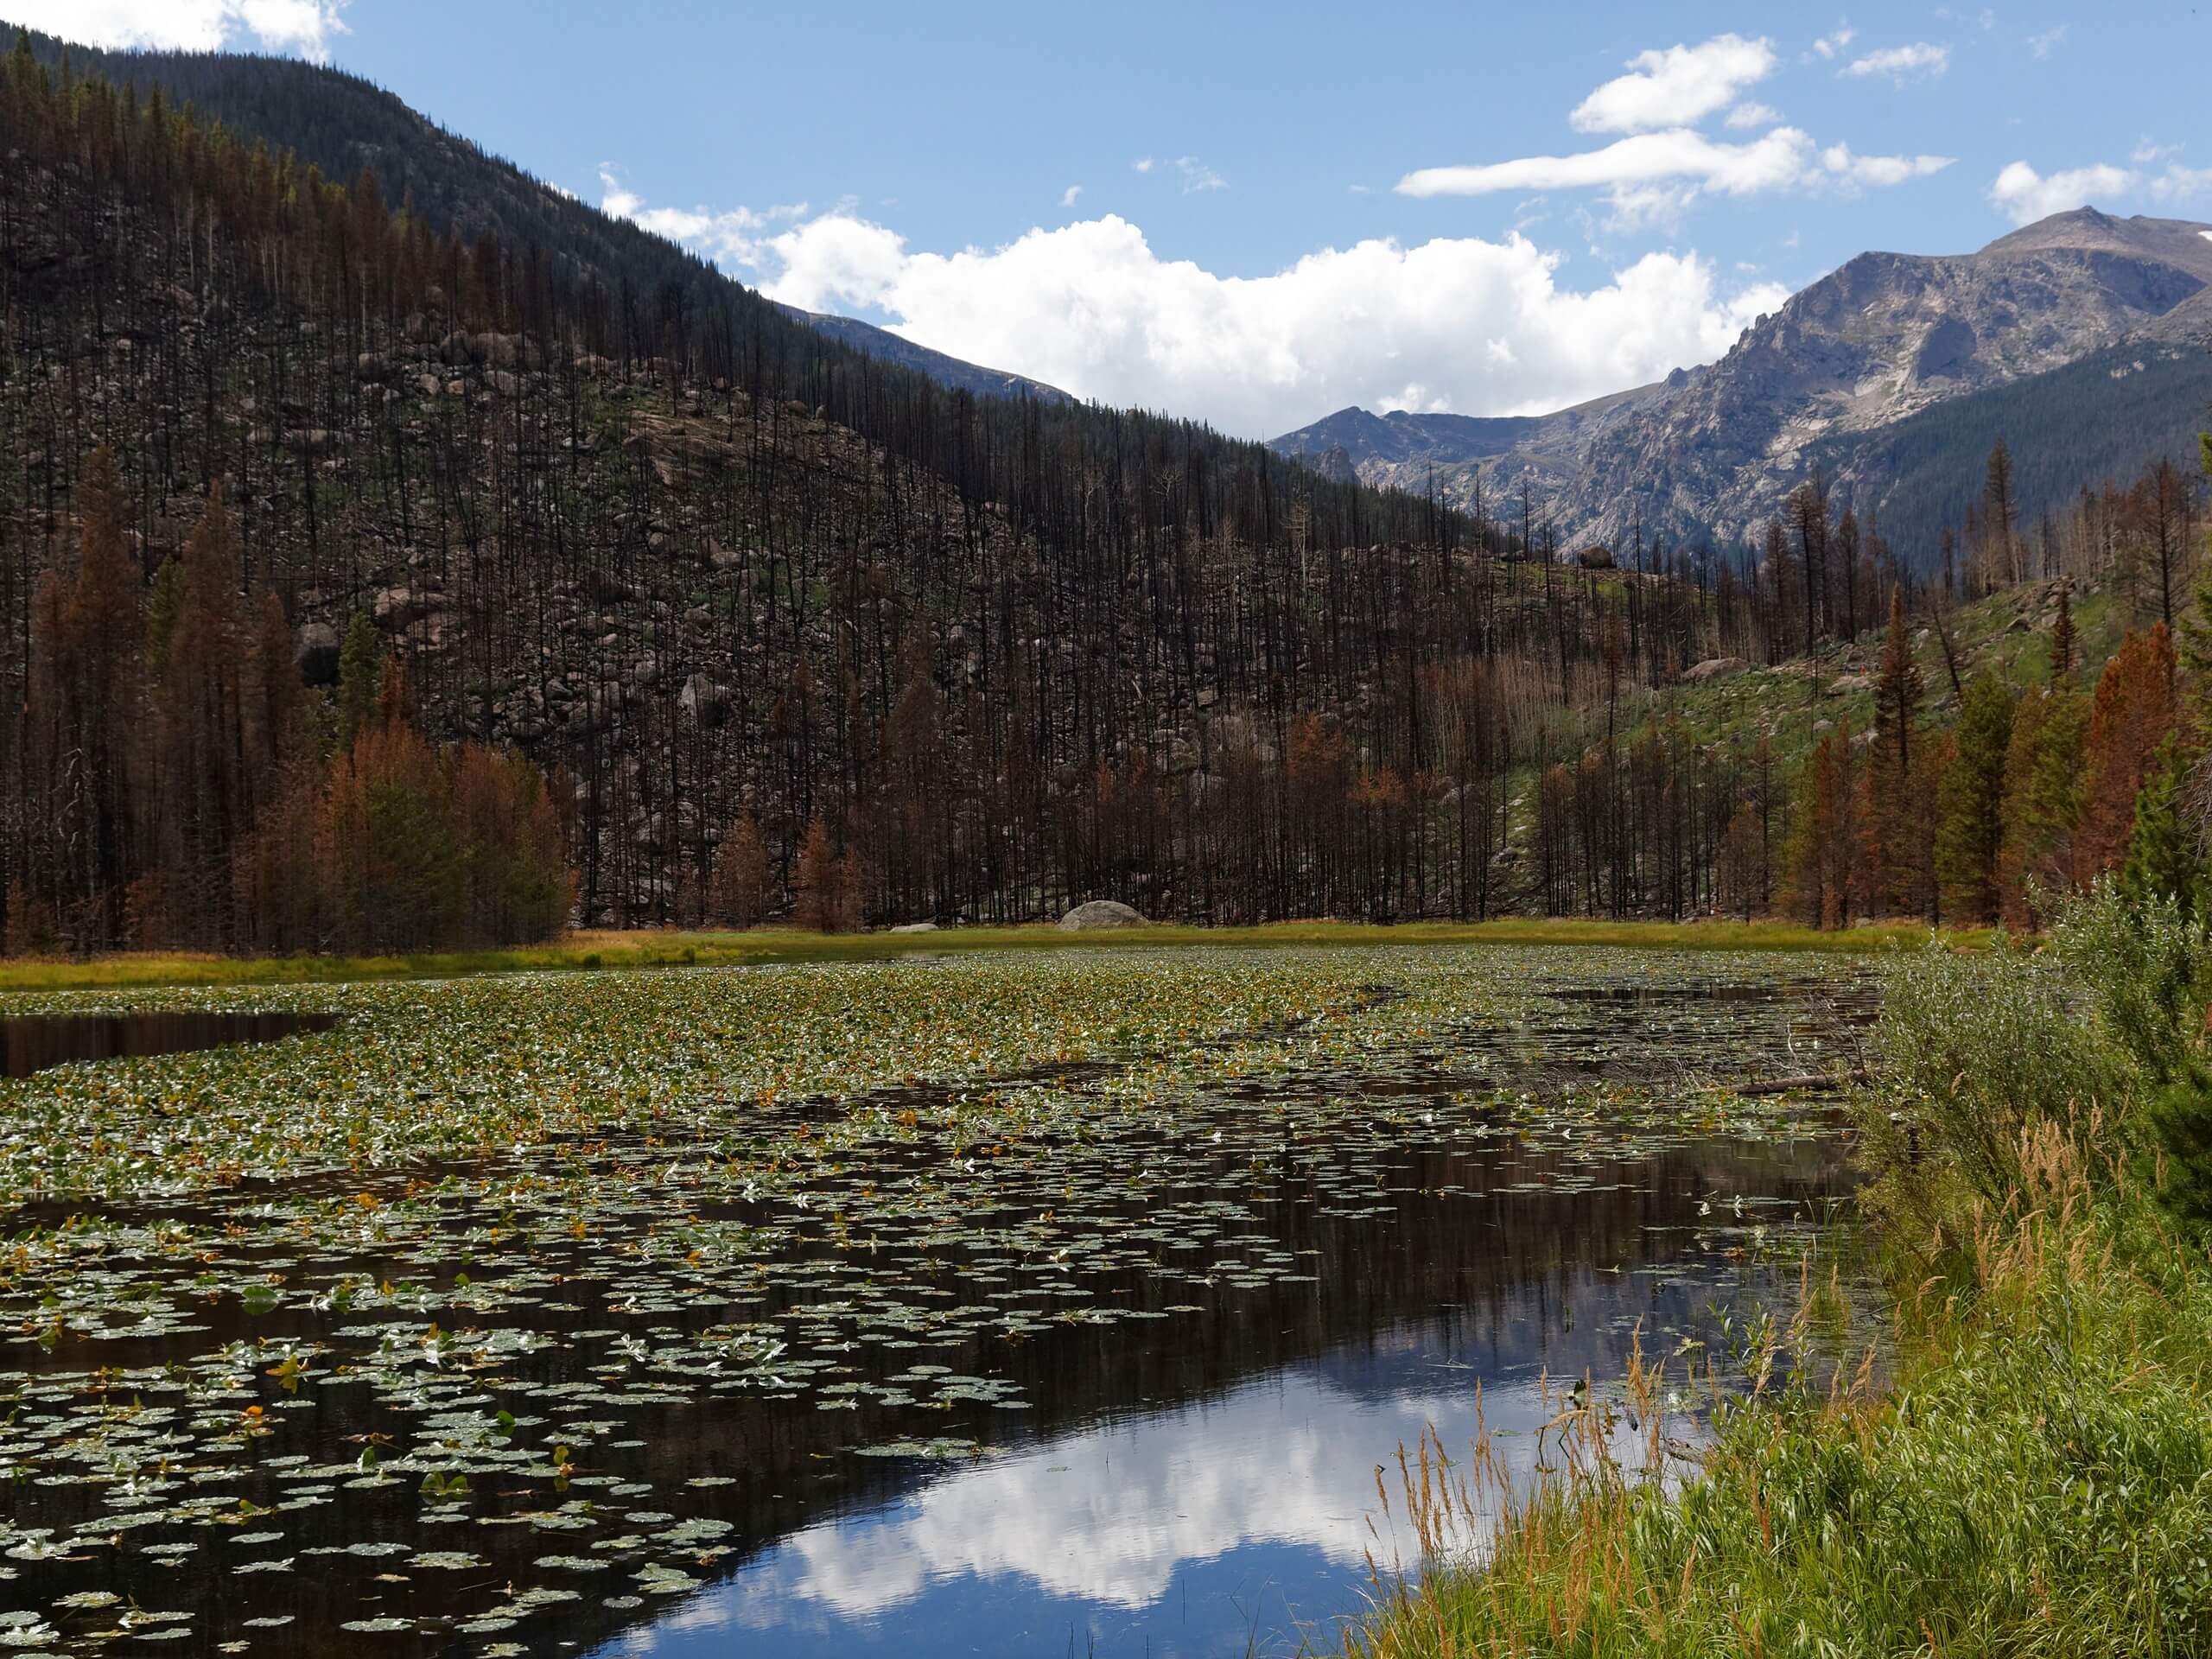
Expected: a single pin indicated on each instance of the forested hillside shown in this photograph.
(789, 630)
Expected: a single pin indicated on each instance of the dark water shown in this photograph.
(33, 1043)
(1197, 1480)
(1217, 1496)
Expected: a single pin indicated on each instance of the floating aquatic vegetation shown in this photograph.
(502, 1287)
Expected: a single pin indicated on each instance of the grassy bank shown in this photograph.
(2032, 1474)
(668, 948)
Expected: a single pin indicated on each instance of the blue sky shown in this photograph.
(1257, 216)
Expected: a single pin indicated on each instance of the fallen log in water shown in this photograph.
(1789, 1085)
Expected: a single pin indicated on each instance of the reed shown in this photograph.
(2027, 1472)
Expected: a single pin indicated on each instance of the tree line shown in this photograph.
(183, 790)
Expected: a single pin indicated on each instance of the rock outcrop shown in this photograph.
(1100, 914)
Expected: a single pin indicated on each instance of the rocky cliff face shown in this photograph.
(1840, 377)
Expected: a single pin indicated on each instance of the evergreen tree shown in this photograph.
(2042, 800)
(1897, 813)
(360, 673)
(2000, 513)
(820, 881)
(738, 893)
(1826, 857)
(2165, 852)
(2063, 646)
(1970, 803)
(2131, 716)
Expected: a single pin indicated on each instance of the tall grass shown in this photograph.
(2031, 1472)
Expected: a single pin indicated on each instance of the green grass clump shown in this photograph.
(2030, 1469)
(2035, 1479)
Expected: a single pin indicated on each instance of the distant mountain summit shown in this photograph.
(2081, 339)
(953, 372)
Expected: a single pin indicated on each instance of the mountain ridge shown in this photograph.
(1710, 452)
(342, 122)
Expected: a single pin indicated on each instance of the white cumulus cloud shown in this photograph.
(1454, 324)
(1675, 86)
(2025, 195)
(304, 27)
(1652, 175)
(1902, 63)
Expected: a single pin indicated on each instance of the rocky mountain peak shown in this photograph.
(1834, 378)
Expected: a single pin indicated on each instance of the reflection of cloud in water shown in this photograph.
(1107, 1516)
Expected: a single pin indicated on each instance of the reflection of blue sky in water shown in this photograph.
(1187, 1532)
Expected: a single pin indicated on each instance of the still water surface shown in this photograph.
(34, 1043)
(1132, 1401)
(1223, 1499)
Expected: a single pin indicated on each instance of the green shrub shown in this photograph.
(1975, 1049)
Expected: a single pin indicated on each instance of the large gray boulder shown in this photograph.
(1715, 668)
(1100, 912)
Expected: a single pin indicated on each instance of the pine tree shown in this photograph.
(2165, 853)
(1825, 855)
(215, 758)
(85, 702)
(738, 891)
(360, 668)
(1970, 803)
(2129, 718)
(2063, 645)
(2000, 511)
(2042, 800)
(1896, 813)
(820, 881)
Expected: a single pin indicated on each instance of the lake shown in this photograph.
(1062, 1304)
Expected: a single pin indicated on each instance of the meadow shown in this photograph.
(590, 949)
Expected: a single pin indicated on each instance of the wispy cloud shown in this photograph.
(1828, 45)
(1902, 63)
(1838, 162)
(734, 235)
(1196, 175)
(1652, 177)
(1142, 164)
(1764, 163)
(2043, 45)
(1068, 196)
(1783, 159)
